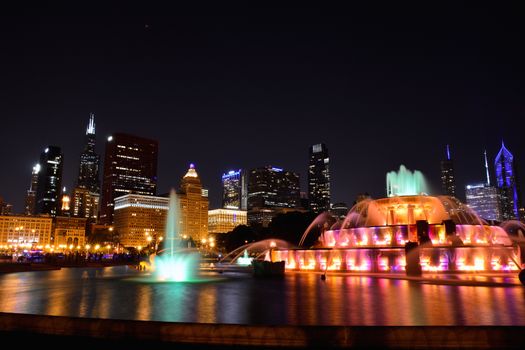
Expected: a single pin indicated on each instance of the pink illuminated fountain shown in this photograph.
(450, 236)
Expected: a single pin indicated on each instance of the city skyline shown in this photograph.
(232, 92)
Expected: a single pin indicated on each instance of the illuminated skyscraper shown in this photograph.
(319, 178)
(30, 202)
(235, 190)
(194, 206)
(84, 203)
(484, 198)
(271, 190)
(448, 182)
(130, 166)
(88, 174)
(49, 188)
(506, 182)
(273, 187)
(85, 197)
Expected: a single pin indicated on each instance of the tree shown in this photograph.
(239, 236)
(291, 226)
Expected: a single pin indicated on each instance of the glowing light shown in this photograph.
(244, 260)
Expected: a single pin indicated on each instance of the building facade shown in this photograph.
(49, 188)
(69, 231)
(137, 216)
(85, 204)
(448, 180)
(5, 208)
(130, 166)
(235, 190)
(484, 200)
(319, 178)
(194, 206)
(270, 189)
(507, 184)
(225, 220)
(22, 230)
(273, 187)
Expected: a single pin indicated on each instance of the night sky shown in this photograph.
(246, 87)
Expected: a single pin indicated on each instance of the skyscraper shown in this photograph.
(194, 206)
(88, 174)
(271, 191)
(235, 190)
(130, 166)
(85, 196)
(30, 202)
(319, 178)
(507, 184)
(49, 181)
(484, 198)
(448, 182)
(273, 187)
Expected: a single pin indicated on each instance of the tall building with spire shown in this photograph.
(86, 194)
(130, 166)
(319, 178)
(30, 202)
(448, 181)
(507, 184)
(483, 198)
(88, 173)
(49, 187)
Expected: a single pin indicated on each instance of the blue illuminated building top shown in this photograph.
(231, 173)
(505, 179)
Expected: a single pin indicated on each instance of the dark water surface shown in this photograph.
(298, 299)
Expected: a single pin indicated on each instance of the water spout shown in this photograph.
(405, 182)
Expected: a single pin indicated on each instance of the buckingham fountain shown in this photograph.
(437, 233)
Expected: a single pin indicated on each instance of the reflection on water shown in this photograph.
(296, 299)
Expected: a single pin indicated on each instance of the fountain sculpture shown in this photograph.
(450, 236)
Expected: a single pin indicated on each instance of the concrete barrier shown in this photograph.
(423, 337)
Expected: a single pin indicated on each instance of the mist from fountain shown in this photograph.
(254, 251)
(175, 263)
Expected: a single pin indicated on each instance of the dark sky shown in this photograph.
(244, 87)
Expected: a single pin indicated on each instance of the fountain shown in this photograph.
(175, 263)
(260, 250)
(373, 237)
(405, 182)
